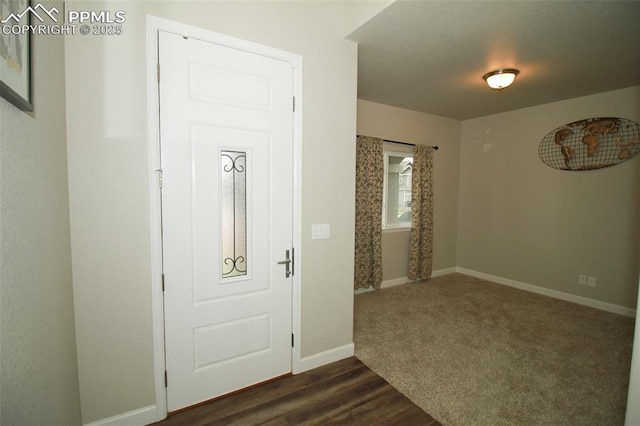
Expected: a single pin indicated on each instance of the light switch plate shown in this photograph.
(320, 231)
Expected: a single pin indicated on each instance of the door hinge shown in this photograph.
(294, 104)
(162, 282)
(159, 177)
(166, 382)
(292, 340)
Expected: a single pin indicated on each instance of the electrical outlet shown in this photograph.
(591, 281)
(582, 279)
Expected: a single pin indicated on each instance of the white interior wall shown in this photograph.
(633, 409)
(108, 169)
(38, 365)
(107, 160)
(357, 13)
(524, 221)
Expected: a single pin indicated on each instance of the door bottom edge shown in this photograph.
(243, 389)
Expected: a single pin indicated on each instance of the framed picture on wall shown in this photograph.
(15, 54)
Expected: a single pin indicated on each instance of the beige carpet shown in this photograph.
(471, 352)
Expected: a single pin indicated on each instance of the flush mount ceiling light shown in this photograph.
(499, 79)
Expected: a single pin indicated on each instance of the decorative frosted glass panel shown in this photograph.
(234, 213)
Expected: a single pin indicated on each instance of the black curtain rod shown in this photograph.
(404, 143)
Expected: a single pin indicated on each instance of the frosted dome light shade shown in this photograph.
(500, 79)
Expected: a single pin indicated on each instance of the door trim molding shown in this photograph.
(153, 25)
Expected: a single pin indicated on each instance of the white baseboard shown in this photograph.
(445, 271)
(405, 280)
(597, 304)
(148, 415)
(394, 282)
(326, 357)
(139, 417)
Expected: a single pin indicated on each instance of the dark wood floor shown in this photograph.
(345, 392)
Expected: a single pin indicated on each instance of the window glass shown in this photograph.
(233, 179)
(397, 190)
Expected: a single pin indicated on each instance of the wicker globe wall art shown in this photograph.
(592, 143)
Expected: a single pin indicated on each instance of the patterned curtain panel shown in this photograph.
(421, 239)
(369, 183)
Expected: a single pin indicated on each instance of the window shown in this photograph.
(396, 199)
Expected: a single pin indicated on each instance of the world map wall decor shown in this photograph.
(592, 143)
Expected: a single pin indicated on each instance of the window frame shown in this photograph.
(399, 226)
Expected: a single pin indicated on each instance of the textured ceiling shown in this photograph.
(430, 56)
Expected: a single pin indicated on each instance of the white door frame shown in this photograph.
(155, 24)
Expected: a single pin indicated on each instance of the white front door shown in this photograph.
(226, 131)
